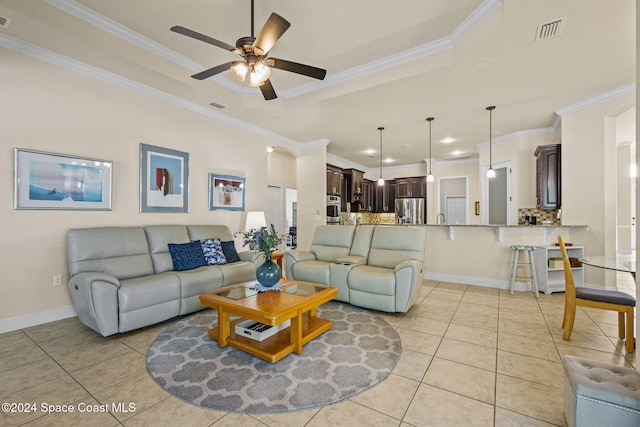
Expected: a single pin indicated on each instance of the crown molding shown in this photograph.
(517, 134)
(628, 89)
(55, 58)
(98, 20)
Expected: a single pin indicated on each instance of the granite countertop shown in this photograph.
(505, 225)
(543, 226)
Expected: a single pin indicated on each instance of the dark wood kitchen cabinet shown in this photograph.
(411, 187)
(334, 180)
(354, 187)
(385, 196)
(368, 195)
(548, 178)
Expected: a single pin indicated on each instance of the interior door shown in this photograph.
(455, 209)
(275, 213)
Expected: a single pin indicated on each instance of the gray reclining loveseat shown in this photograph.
(377, 267)
(123, 278)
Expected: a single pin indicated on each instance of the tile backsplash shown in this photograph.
(367, 218)
(541, 215)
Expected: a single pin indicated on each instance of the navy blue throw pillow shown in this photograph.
(230, 253)
(187, 256)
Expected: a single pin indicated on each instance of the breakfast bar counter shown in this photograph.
(481, 254)
(500, 229)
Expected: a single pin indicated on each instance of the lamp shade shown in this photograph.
(255, 220)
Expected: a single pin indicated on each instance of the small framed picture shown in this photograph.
(58, 181)
(164, 180)
(226, 192)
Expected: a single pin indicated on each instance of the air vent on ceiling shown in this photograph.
(218, 106)
(4, 22)
(550, 29)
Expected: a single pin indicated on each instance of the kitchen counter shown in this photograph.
(475, 254)
(499, 229)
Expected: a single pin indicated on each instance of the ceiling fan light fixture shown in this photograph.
(263, 70)
(239, 70)
(259, 74)
(254, 79)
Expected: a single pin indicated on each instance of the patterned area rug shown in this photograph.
(358, 352)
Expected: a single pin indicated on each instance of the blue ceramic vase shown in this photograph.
(268, 273)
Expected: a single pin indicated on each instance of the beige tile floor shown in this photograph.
(471, 356)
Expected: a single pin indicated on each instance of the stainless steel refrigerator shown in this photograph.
(411, 211)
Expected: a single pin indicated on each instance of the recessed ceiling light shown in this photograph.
(456, 152)
(406, 146)
(388, 160)
(447, 140)
(482, 63)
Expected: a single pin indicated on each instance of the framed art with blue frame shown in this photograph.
(58, 181)
(164, 180)
(226, 192)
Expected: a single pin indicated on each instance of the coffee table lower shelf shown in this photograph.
(280, 344)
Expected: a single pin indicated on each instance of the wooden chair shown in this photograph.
(606, 300)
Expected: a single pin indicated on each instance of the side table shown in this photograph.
(277, 257)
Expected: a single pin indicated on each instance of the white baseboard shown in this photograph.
(34, 319)
(493, 283)
(475, 281)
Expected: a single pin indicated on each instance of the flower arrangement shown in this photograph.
(262, 239)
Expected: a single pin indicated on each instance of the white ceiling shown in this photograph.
(390, 64)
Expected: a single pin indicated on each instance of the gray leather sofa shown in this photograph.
(377, 267)
(122, 278)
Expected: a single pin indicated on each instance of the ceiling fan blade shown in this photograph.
(294, 67)
(267, 91)
(212, 71)
(272, 30)
(196, 35)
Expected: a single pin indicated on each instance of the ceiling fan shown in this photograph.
(254, 52)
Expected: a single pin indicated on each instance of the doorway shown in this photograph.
(274, 208)
(452, 199)
(497, 197)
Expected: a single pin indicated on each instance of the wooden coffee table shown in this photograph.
(296, 302)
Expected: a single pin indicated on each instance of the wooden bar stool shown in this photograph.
(531, 278)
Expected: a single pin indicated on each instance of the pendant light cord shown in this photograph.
(380, 129)
(430, 119)
(491, 108)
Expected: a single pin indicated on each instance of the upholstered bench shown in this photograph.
(600, 394)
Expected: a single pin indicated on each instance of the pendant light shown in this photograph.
(430, 176)
(490, 173)
(380, 180)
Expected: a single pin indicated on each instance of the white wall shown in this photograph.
(589, 176)
(47, 108)
(281, 172)
(312, 190)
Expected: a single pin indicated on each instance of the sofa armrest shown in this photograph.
(411, 263)
(255, 257)
(351, 259)
(409, 276)
(293, 256)
(95, 300)
(297, 255)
